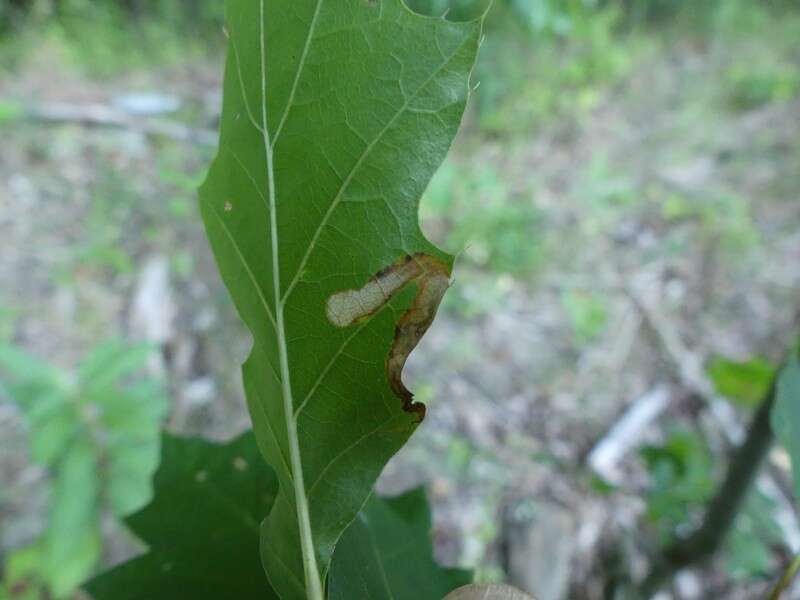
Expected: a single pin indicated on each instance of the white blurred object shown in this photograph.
(688, 585)
(627, 433)
(146, 104)
(200, 391)
(487, 591)
(153, 310)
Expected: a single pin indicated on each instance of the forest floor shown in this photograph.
(607, 255)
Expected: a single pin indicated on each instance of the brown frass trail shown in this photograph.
(349, 307)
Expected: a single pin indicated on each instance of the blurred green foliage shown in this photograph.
(573, 48)
(10, 111)
(605, 196)
(540, 58)
(476, 212)
(724, 218)
(8, 317)
(117, 224)
(681, 472)
(191, 16)
(745, 383)
(97, 432)
(682, 478)
(113, 205)
(750, 87)
(541, 64)
(547, 58)
(181, 209)
(748, 549)
(587, 314)
(102, 36)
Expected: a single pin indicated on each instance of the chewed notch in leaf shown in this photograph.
(432, 278)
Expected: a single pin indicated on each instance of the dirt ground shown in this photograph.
(94, 217)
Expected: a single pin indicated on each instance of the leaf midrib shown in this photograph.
(310, 568)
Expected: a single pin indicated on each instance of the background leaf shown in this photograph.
(746, 383)
(786, 414)
(335, 117)
(201, 527)
(386, 553)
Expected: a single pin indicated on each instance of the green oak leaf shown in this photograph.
(386, 553)
(98, 434)
(202, 526)
(335, 116)
(786, 414)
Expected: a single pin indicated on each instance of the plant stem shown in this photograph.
(724, 507)
(786, 580)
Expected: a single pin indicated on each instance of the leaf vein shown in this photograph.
(343, 452)
(357, 166)
(332, 362)
(300, 67)
(245, 264)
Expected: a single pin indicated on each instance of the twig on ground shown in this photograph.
(99, 115)
(688, 364)
(627, 432)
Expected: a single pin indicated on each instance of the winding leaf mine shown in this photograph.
(353, 306)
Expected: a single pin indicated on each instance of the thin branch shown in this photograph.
(786, 580)
(723, 508)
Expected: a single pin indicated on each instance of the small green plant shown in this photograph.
(97, 432)
(681, 472)
(682, 480)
